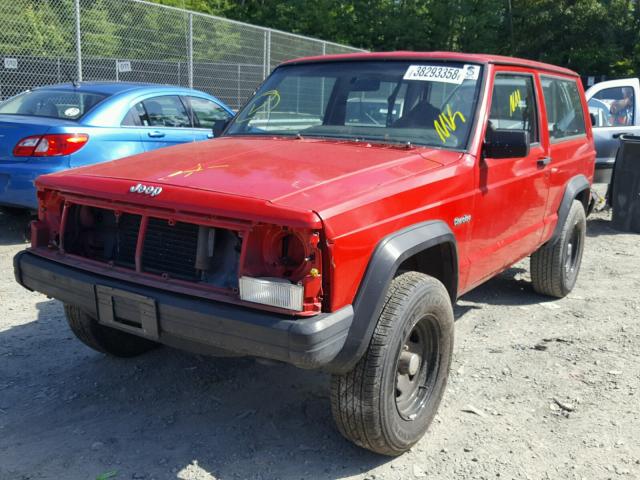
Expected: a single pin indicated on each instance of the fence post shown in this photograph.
(324, 48)
(266, 65)
(190, 50)
(78, 40)
(264, 56)
(238, 91)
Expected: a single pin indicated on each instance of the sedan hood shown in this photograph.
(307, 174)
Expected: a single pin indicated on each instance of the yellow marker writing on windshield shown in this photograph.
(446, 123)
(269, 100)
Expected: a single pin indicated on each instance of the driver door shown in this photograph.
(512, 192)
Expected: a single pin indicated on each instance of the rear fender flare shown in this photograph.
(575, 187)
(388, 255)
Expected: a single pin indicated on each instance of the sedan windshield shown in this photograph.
(419, 102)
(68, 105)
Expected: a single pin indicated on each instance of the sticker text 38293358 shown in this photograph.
(440, 73)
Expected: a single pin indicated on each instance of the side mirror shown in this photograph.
(594, 119)
(219, 126)
(502, 143)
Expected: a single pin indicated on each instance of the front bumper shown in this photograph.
(17, 187)
(185, 322)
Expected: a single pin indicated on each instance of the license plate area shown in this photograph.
(128, 311)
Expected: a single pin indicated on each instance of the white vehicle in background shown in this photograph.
(615, 104)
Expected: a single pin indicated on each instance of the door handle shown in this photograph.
(618, 135)
(156, 134)
(544, 161)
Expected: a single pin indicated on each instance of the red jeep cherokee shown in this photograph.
(333, 225)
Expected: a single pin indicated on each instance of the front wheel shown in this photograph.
(555, 266)
(102, 338)
(387, 402)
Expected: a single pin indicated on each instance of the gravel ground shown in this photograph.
(539, 390)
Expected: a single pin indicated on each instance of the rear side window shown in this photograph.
(166, 111)
(513, 105)
(136, 117)
(613, 107)
(565, 118)
(67, 105)
(206, 112)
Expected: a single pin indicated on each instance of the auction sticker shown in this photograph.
(439, 73)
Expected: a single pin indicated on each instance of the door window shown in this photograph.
(513, 105)
(206, 113)
(615, 107)
(166, 111)
(565, 118)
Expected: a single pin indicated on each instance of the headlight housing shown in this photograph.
(281, 268)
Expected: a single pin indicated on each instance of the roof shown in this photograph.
(452, 56)
(109, 88)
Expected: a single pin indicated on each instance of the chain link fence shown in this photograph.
(52, 41)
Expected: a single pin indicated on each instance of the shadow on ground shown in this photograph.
(600, 225)
(68, 412)
(14, 225)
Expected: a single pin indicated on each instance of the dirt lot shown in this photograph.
(539, 390)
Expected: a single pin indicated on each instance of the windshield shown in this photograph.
(424, 103)
(68, 105)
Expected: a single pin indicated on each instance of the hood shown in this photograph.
(305, 174)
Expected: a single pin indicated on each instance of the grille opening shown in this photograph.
(169, 249)
(99, 235)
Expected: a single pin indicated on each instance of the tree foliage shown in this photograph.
(596, 37)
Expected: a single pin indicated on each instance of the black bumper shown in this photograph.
(188, 322)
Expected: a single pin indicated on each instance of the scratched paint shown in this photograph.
(446, 123)
(190, 171)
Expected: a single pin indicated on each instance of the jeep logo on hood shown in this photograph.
(146, 189)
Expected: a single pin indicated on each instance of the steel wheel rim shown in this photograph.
(413, 390)
(572, 252)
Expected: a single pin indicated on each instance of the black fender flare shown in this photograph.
(574, 187)
(388, 255)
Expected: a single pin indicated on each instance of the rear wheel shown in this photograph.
(555, 266)
(387, 402)
(105, 339)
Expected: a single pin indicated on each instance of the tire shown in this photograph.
(555, 266)
(379, 405)
(105, 339)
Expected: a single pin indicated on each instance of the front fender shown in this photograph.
(388, 255)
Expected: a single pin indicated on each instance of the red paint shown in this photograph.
(349, 195)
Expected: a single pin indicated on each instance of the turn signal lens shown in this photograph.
(54, 145)
(272, 291)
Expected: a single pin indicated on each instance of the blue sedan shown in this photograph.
(48, 129)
